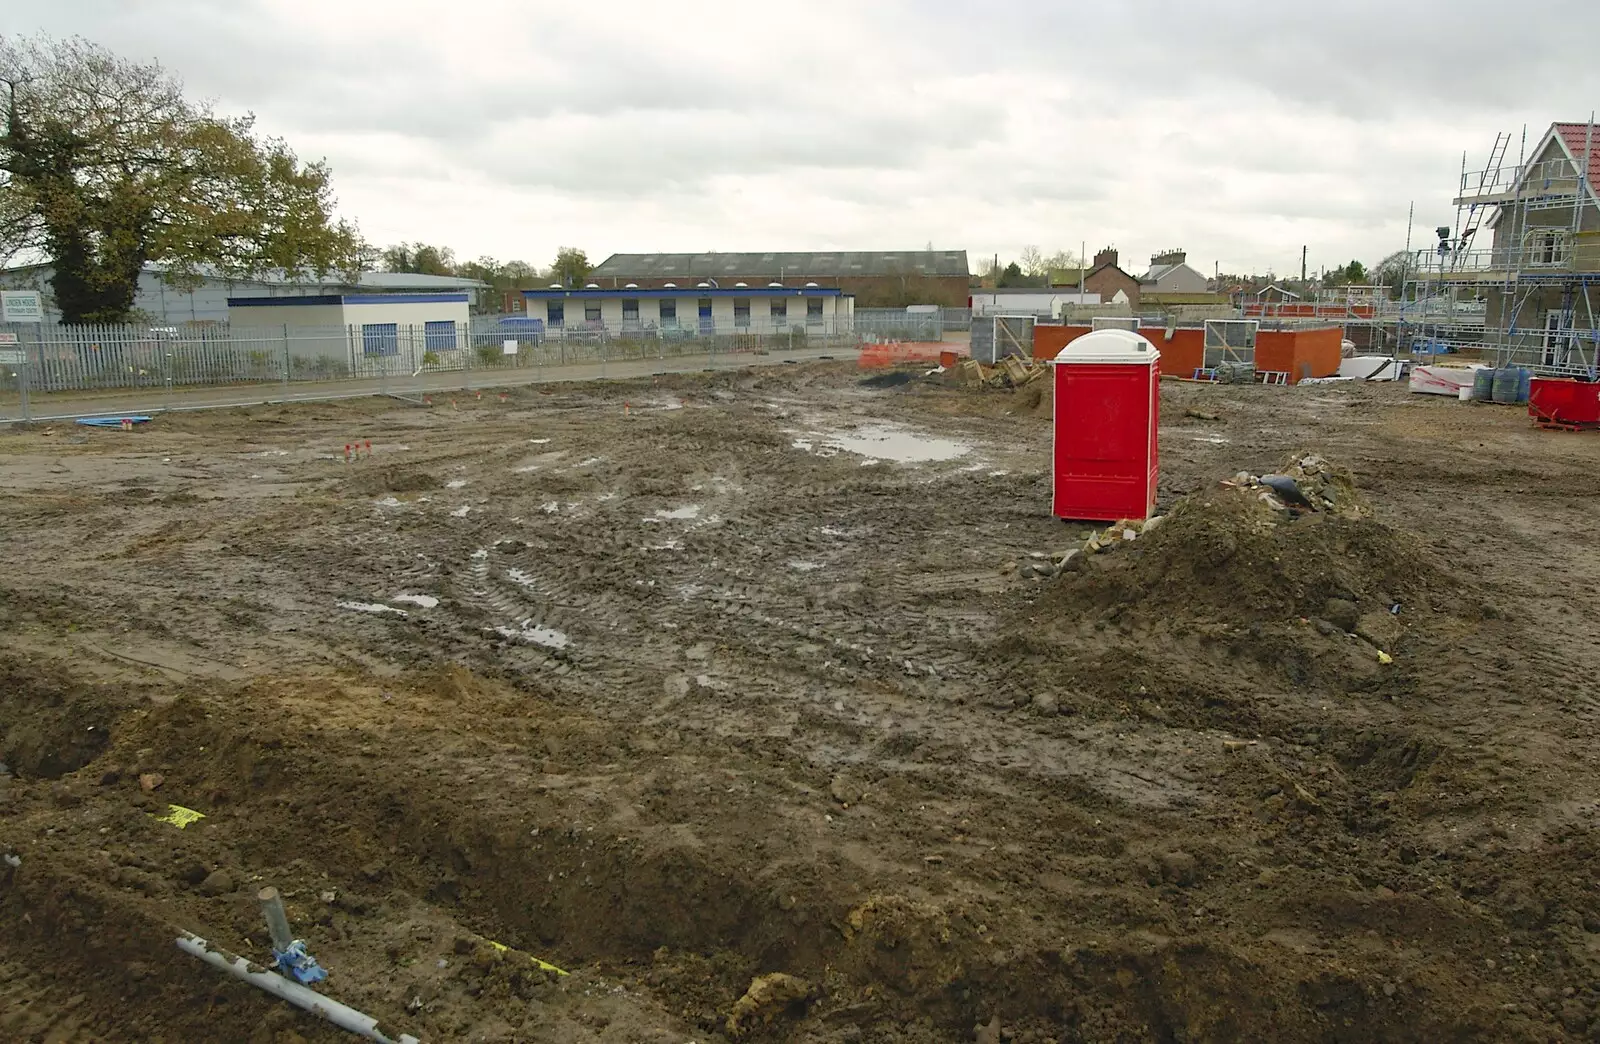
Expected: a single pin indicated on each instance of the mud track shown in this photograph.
(674, 683)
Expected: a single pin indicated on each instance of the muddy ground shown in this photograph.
(676, 683)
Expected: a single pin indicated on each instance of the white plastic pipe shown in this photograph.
(340, 1015)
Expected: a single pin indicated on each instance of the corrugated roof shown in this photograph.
(785, 265)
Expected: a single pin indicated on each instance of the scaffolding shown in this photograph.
(1528, 297)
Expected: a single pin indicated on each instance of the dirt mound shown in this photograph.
(890, 378)
(1235, 553)
(393, 480)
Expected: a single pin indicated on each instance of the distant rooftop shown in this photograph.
(381, 281)
(784, 265)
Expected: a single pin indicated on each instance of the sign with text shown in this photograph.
(7, 338)
(13, 357)
(21, 306)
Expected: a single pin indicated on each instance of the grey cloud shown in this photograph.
(1221, 125)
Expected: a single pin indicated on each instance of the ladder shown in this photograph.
(1469, 220)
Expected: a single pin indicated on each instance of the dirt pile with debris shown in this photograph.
(1237, 552)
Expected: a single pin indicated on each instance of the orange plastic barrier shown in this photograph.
(878, 356)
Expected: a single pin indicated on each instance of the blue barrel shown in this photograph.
(1506, 380)
(1483, 384)
(1524, 383)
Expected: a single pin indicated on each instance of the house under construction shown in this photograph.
(1518, 276)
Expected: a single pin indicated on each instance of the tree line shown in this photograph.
(569, 268)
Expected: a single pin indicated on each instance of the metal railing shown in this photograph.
(113, 357)
(1553, 251)
(1546, 178)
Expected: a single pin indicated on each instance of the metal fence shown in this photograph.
(96, 358)
(904, 324)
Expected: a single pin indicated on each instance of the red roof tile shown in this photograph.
(1575, 135)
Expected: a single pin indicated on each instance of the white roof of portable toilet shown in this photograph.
(1110, 346)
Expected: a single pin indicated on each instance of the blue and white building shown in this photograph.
(356, 332)
(704, 309)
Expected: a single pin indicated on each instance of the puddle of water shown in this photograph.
(421, 601)
(901, 445)
(521, 579)
(548, 637)
(461, 512)
(997, 474)
(456, 484)
(1215, 440)
(803, 566)
(372, 607)
(589, 462)
(870, 461)
(480, 554)
(539, 442)
(803, 444)
(670, 545)
(550, 507)
(688, 511)
(389, 502)
(607, 496)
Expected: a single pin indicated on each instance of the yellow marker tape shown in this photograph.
(545, 965)
(179, 816)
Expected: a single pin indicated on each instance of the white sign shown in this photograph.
(8, 338)
(21, 306)
(13, 357)
(508, 346)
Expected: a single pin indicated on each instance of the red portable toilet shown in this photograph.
(1107, 399)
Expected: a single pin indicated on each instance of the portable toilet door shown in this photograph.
(1107, 410)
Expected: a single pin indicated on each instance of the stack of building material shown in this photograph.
(1443, 380)
(1011, 372)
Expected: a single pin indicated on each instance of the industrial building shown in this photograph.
(1029, 300)
(356, 333)
(165, 304)
(689, 311)
(886, 279)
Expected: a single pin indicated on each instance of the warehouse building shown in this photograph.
(171, 303)
(354, 333)
(701, 310)
(876, 279)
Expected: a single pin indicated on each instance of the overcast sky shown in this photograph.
(1236, 130)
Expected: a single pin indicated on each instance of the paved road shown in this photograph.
(68, 406)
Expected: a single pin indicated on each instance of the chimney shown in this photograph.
(1168, 257)
(1107, 256)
